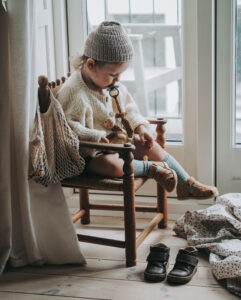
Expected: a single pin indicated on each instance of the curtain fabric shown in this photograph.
(35, 225)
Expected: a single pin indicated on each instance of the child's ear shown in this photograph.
(90, 64)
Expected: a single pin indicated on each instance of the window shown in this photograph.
(158, 25)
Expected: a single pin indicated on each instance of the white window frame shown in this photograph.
(77, 26)
(197, 153)
(53, 18)
(228, 153)
(45, 21)
(60, 38)
(198, 65)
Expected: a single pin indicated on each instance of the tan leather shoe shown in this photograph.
(166, 177)
(200, 191)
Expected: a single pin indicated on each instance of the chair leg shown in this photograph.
(130, 226)
(129, 209)
(84, 204)
(162, 205)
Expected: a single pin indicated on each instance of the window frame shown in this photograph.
(60, 38)
(53, 19)
(229, 153)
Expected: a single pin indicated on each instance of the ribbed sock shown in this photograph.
(141, 167)
(182, 175)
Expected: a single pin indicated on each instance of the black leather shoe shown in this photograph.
(185, 266)
(157, 263)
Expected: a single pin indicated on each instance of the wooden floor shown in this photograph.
(105, 275)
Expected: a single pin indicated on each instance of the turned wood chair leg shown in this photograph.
(129, 209)
(84, 204)
(130, 225)
(161, 193)
(162, 205)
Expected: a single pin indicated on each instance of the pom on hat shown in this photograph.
(109, 43)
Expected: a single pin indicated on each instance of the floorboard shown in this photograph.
(105, 275)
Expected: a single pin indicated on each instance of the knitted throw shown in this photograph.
(53, 147)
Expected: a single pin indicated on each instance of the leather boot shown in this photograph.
(166, 177)
(185, 266)
(201, 191)
(157, 263)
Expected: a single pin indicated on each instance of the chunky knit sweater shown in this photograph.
(87, 110)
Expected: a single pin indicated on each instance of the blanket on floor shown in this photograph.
(218, 229)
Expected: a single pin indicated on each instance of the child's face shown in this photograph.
(108, 74)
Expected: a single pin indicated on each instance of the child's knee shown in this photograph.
(106, 165)
(115, 167)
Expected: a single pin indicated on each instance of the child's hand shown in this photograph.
(145, 138)
(103, 139)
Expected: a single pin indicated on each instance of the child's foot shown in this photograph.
(166, 177)
(195, 190)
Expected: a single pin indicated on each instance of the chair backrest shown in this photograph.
(43, 90)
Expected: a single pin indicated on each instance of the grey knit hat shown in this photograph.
(109, 43)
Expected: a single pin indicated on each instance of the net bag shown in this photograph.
(53, 147)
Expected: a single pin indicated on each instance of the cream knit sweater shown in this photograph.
(86, 110)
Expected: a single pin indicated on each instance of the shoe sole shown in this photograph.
(174, 183)
(196, 198)
(155, 277)
(162, 184)
(182, 280)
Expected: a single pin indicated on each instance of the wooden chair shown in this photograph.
(128, 185)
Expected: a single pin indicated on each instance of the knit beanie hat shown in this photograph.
(109, 43)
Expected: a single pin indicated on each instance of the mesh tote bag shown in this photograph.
(53, 147)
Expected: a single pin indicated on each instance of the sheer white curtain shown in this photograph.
(35, 226)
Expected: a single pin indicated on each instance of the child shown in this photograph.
(88, 107)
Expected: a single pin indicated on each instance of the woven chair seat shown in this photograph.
(95, 182)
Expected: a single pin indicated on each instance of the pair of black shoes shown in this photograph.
(184, 268)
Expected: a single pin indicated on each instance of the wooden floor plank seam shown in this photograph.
(53, 296)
